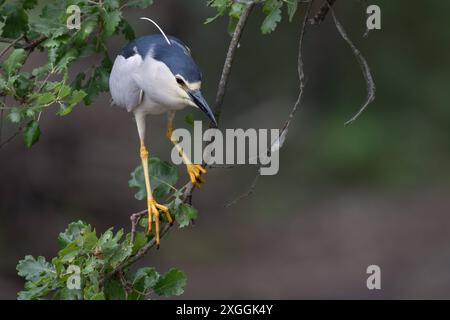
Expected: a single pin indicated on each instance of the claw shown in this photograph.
(195, 171)
(153, 211)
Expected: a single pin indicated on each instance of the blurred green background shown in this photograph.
(376, 192)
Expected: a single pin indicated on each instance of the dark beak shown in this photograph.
(198, 99)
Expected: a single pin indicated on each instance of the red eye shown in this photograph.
(180, 81)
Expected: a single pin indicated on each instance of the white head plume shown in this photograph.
(159, 28)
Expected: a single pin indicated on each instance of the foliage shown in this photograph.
(28, 27)
(85, 259)
(97, 256)
(271, 8)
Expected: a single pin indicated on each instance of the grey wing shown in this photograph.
(125, 92)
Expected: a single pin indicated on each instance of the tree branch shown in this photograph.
(365, 69)
(187, 195)
(229, 60)
(320, 16)
(295, 108)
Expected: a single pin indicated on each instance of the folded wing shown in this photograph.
(125, 92)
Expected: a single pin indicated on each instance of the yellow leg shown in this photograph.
(195, 171)
(152, 206)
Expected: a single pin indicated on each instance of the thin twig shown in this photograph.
(234, 43)
(295, 108)
(229, 60)
(15, 134)
(370, 83)
(11, 44)
(33, 44)
(249, 192)
(322, 13)
(134, 222)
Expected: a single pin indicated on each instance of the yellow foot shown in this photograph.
(153, 215)
(195, 171)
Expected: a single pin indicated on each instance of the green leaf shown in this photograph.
(144, 280)
(68, 294)
(64, 110)
(111, 21)
(32, 269)
(33, 291)
(171, 284)
(189, 119)
(62, 90)
(14, 61)
(140, 240)
(184, 214)
(91, 292)
(76, 97)
(42, 70)
(68, 57)
(89, 238)
(28, 4)
(139, 3)
(127, 30)
(124, 251)
(98, 296)
(87, 27)
(221, 7)
(70, 252)
(236, 10)
(112, 4)
(31, 133)
(114, 290)
(3, 83)
(15, 115)
(163, 175)
(16, 23)
(71, 101)
(292, 6)
(72, 233)
(45, 98)
(91, 264)
(272, 9)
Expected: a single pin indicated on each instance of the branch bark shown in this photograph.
(320, 16)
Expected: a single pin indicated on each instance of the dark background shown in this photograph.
(376, 192)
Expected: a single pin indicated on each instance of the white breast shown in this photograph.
(147, 86)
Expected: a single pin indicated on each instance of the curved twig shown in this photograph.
(370, 83)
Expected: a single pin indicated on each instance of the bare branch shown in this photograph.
(187, 195)
(320, 16)
(134, 222)
(15, 134)
(295, 108)
(371, 88)
(11, 44)
(249, 192)
(229, 60)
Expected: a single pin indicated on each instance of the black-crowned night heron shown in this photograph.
(152, 75)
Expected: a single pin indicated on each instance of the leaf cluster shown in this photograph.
(27, 27)
(95, 256)
(98, 256)
(272, 10)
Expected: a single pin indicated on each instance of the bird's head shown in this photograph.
(190, 92)
(177, 75)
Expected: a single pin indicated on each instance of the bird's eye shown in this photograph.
(180, 81)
